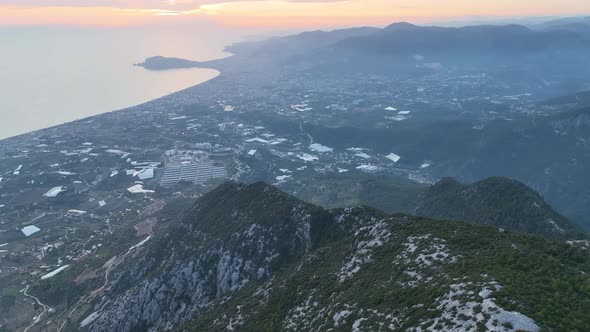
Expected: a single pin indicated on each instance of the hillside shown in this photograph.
(575, 123)
(578, 100)
(548, 153)
(299, 43)
(498, 202)
(579, 25)
(391, 194)
(254, 258)
(165, 63)
(405, 38)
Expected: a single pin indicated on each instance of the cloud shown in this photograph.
(175, 5)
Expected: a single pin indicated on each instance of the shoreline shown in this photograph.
(126, 108)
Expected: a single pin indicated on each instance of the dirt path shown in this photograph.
(38, 318)
(305, 133)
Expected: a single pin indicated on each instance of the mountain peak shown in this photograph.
(256, 203)
(275, 272)
(400, 25)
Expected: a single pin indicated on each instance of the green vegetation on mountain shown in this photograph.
(402, 269)
(334, 190)
(253, 258)
(499, 202)
(165, 63)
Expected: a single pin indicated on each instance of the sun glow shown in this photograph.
(278, 13)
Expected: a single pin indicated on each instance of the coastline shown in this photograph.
(126, 108)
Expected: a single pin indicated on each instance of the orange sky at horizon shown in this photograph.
(273, 13)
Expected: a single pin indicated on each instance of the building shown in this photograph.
(197, 172)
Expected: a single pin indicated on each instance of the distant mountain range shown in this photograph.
(299, 43)
(579, 25)
(548, 153)
(252, 258)
(566, 20)
(405, 38)
(407, 50)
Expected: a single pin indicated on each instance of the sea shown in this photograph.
(49, 76)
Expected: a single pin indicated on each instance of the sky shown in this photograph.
(272, 13)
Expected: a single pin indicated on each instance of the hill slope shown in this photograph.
(499, 202)
(579, 25)
(299, 43)
(405, 38)
(391, 194)
(254, 258)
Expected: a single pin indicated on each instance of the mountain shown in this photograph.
(116, 254)
(252, 258)
(578, 25)
(405, 38)
(566, 20)
(546, 150)
(276, 47)
(575, 123)
(579, 100)
(582, 29)
(299, 43)
(233, 236)
(164, 63)
(391, 194)
(499, 202)
(406, 51)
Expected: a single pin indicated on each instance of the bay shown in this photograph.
(49, 76)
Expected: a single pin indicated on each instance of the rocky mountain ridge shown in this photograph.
(250, 257)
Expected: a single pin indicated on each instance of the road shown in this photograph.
(38, 318)
(305, 133)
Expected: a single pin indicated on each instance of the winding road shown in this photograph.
(305, 133)
(38, 317)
